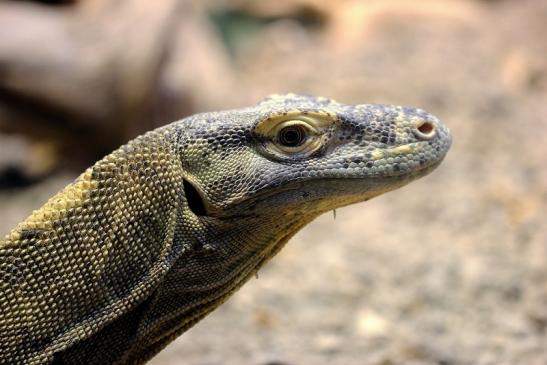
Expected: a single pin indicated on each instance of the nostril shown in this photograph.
(425, 130)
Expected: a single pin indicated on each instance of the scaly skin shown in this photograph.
(159, 233)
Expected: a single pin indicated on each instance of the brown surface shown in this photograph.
(88, 77)
(449, 270)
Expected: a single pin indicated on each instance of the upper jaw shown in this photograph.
(319, 191)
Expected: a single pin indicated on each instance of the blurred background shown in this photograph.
(449, 270)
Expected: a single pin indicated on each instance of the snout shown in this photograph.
(427, 128)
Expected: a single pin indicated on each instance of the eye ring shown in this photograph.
(292, 136)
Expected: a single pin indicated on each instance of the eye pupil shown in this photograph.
(292, 136)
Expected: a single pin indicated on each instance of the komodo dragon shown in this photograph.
(159, 233)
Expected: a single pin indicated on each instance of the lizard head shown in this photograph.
(157, 253)
(301, 155)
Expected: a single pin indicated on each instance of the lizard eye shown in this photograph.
(292, 136)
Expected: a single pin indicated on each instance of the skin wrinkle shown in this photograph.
(120, 250)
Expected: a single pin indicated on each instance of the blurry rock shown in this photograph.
(23, 162)
(264, 319)
(371, 324)
(328, 342)
(91, 75)
(356, 22)
(307, 11)
(523, 72)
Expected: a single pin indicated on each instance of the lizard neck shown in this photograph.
(209, 270)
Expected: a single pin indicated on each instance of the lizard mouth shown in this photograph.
(382, 170)
(343, 189)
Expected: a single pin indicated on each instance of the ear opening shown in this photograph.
(195, 202)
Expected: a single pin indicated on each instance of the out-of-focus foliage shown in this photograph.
(450, 270)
